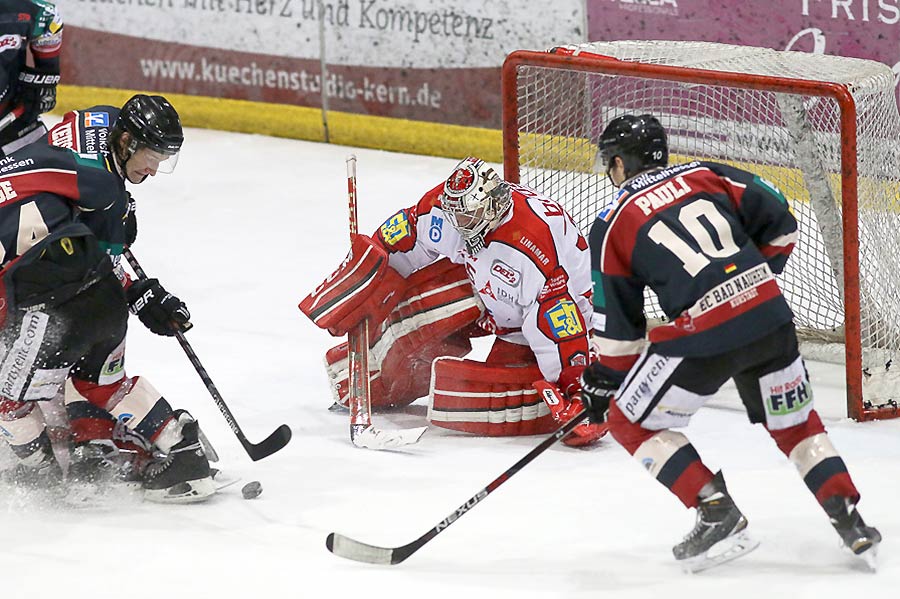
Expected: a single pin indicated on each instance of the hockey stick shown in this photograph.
(362, 552)
(12, 116)
(362, 433)
(256, 451)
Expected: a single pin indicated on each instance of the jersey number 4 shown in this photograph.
(689, 216)
(32, 229)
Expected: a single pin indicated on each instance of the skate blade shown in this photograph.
(192, 491)
(868, 556)
(725, 550)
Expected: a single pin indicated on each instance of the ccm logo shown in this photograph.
(505, 273)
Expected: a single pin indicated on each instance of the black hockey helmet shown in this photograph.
(152, 123)
(639, 140)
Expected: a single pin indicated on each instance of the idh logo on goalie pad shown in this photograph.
(395, 228)
(563, 319)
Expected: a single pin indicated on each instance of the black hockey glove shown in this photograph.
(36, 92)
(598, 389)
(130, 220)
(160, 311)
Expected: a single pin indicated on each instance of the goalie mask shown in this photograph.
(475, 200)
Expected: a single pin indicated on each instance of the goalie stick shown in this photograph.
(257, 451)
(362, 433)
(362, 552)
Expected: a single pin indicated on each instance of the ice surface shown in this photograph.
(242, 230)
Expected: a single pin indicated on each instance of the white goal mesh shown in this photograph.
(789, 131)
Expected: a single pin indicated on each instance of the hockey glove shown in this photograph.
(598, 389)
(36, 92)
(160, 311)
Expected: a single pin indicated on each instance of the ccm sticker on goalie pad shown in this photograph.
(496, 401)
(362, 286)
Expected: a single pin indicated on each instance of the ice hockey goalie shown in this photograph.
(475, 256)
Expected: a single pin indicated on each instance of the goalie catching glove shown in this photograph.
(159, 310)
(598, 389)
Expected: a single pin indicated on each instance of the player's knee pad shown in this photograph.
(437, 304)
(817, 461)
(108, 411)
(667, 455)
(23, 427)
(474, 397)
(363, 286)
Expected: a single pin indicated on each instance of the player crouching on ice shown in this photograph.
(475, 256)
(706, 238)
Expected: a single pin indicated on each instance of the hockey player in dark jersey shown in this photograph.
(26, 91)
(105, 403)
(708, 239)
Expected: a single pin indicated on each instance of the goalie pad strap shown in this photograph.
(478, 398)
(362, 286)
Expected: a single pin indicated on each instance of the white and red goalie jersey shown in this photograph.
(425, 294)
(533, 275)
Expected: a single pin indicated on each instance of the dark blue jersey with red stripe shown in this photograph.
(44, 188)
(88, 131)
(707, 238)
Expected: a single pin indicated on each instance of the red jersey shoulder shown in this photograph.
(64, 133)
(529, 231)
(398, 232)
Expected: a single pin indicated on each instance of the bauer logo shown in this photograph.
(436, 229)
(96, 119)
(564, 319)
(395, 228)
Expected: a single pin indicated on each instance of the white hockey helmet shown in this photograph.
(475, 200)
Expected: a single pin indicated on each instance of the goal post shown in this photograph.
(823, 129)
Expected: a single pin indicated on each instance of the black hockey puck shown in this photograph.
(251, 490)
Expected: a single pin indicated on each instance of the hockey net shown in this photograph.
(824, 129)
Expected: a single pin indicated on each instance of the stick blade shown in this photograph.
(372, 438)
(274, 442)
(351, 549)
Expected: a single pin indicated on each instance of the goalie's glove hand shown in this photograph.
(36, 92)
(159, 310)
(598, 389)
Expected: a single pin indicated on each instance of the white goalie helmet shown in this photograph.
(475, 200)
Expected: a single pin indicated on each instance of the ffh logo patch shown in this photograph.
(563, 319)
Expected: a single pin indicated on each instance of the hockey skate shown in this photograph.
(183, 475)
(38, 471)
(99, 463)
(719, 534)
(860, 539)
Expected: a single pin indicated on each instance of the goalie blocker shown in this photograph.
(420, 329)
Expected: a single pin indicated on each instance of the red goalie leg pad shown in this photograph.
(437, 306)
(362, 286)
(495, 401)
(818, 462)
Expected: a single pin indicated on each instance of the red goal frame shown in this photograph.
(595, 63)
